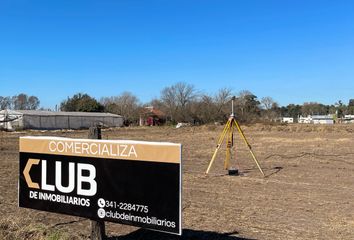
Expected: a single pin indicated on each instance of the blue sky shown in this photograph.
(293, 51)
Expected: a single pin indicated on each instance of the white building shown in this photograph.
(287, 120)
(348, 119)
(302, 119)
(323, 119)
(317, 119)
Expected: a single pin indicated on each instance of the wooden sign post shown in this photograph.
(98, 231)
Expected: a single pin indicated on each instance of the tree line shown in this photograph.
(19, 102)
(182, 102)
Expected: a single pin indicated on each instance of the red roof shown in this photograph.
(153, 111)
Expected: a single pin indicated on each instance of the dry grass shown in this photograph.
(18, 228)
(307, 193)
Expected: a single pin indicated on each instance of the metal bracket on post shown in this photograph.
(98, 231)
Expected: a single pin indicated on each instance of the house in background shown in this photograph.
(302, 119)
(322, 119)
(287, 120)
(150, 116)
(348, 119)
(316, 119)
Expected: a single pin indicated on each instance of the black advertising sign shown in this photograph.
(130, 182)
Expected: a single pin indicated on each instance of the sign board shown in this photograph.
(130, 182)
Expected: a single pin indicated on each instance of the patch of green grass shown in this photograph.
(57, 235)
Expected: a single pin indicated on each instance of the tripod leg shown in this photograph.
(222, 135)
(229, 146)
(228, 154)
(248, 145)
(221, 139)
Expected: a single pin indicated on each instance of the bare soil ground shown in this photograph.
(308, 192)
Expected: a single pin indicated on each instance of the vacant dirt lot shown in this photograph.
(308, 192)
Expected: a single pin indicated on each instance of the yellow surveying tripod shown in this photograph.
(229, 133)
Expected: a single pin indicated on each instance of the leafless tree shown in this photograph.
(221, 99)
(267, 103)
(241, 101)
(20, 101)
(185, 93)
(125, 104)
(33, 103)
(270, 108)
(204, 110)
(177, 99)
(5, 103)
(169, 100)
(23, 102)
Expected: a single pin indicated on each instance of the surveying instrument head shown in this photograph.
(232, 106)
(228, 133)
